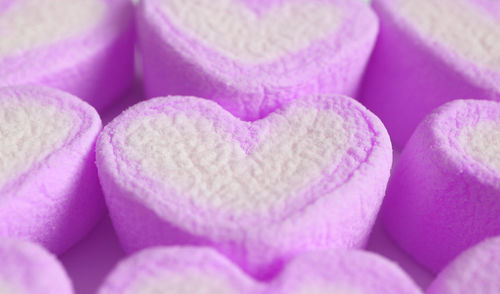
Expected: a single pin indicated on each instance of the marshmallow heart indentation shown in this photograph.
(264, 33)
(84, 47)
(49, 189)
(183, 270)
(253, 56)
(310, 175)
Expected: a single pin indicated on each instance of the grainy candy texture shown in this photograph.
(251, 56)
(186, 270)
(444, 194)
(477, 270)
(26, 268)
(181, 170)
(428, 53)
(84, 47)
(49, 189)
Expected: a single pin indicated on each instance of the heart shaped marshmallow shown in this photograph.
(474, 271)
(49, 190)
(183, 270)
(84, 47)
(251, 56)
(430, 52)
(27, 268)
(444, 194)
(181, 170)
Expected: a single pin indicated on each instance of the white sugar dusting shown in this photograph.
(212, 169)
(8, 288)
(324, 289)
(28, 24)
(243, 34)
(459, 26)
(29, 131)
(482, 142)
(182, 282)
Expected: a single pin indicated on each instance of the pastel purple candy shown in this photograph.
(82, 47)
(49, 189)
(181, 170)
(474, 271)
(182, 270)
(428, 53)
(444, 194)
(252, 56)
(26, 268)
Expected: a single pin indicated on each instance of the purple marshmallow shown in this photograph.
(252, 56)
(444, 194)
(26, 268)
(182, 170)
(186, 270)
(474, 271)
(428, 53)
(84, 47)
(49, 189)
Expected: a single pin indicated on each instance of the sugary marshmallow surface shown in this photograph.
(49, 189)
(27, 268)
(473, 271)
(444, 194)
(429, 53)
(251, 56)
(29, 24)
(181, 170)
(29, 131)
(182, 270)
(84, 47)
(242, 33)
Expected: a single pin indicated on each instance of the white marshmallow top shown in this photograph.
(29, 131)
(460, 25)
(214, 169)
(243, 33)
(26, 24)
(184, 282)
(482, 143)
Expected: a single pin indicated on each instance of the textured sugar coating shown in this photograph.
(181, 170)
(479, 43)
(249, 35)
(49, 189)
(27, 268)
(33, 23)
(444, 194)
(482, 142)
(176, 270)
(429, 53)
(29, 131)
(250, 56)
(216, 170)
(474, 271)
(82, 47)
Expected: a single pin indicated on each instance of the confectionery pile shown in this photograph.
(251, 146)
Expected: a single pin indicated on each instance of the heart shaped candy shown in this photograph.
(251, 56)
(26, 268)
(181, 170)
(84, 47)
(430, 52)
(474, 271)
(49, 190)
(183, 270)
(444, 194)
